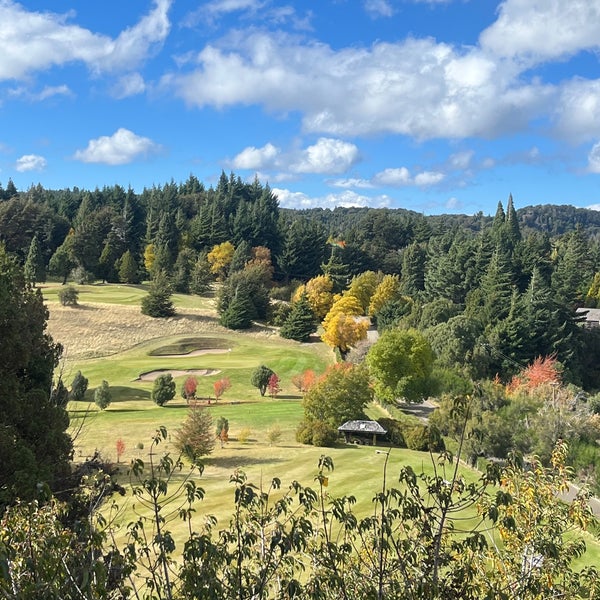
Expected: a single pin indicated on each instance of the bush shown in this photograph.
(273, 434)
(394, 430)
(164, 389)
(424, 438)
(81, 276)
(68, 296)
(304, 433)
(279, 313)
(323, 434)
(244, 435)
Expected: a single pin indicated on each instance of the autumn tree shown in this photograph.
(304, 381)
(386, 291)
(260, 378)
(362, 287)
(274, 386)
(196, 438)
(319, 294)
(221, 386)
(343, 328)
(189, 387)
(401, 363)
(220, 258)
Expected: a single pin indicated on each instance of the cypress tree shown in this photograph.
(34, 265)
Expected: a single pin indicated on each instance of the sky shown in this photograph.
(436, 106)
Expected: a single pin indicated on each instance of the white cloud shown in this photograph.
(401, 176)
(379, 8)
(460, 160)
(328, 156)
(453, 204)
(121, 148)
(577, 110)
(30, 162)
(538, 30)
(48, 91)
(256, 158)
(594, 159)
(416, 87)
(299, 200)
(36, 41)
(352, 183)
(131, 84)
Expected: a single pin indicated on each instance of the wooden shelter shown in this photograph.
(362, 432)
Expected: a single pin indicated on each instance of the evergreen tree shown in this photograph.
(182, 271)
(301, 322)
(102, 396)
(164, 389)
(157, 303)
(128, 269)
(413, 270)
(239, 311)
(79, 386)
(34, 445)
(201, 278)
(34, 265)
(304, 249)
(337, 271)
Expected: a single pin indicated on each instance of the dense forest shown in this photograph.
(493, 293)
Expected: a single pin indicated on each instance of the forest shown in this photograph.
(486, 314)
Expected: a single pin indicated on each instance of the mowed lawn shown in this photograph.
(108, 338)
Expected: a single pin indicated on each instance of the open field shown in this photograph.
(108, 338)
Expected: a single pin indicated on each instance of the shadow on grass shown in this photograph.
(234, 462)
(122, 393)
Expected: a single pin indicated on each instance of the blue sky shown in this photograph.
(438, 106)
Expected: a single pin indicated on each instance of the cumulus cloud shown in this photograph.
(121, 148)
(347, 198)
(30, 162)
(401, 176)
(328, 156)
(523, 29)
(35, 41)
(256, 158)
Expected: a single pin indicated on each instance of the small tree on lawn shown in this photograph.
(304, 381)
(68, 296)
(273, 385)
(196, 436)
(120, 447)
(79, 386)
(273, 434)
(102, 395)
(260, 378)
(164, 389)
(189, 387)
(158, 301)
(34, 268)
(221, 386)
(222, 430)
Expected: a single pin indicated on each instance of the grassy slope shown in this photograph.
(108, 338)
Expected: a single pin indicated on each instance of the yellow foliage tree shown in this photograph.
(344, 332)
(347, 305)
(149, 257)
(220, 258)
(363, 287)
(318, 293)
(388, 290)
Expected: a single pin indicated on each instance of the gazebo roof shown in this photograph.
(362, 427)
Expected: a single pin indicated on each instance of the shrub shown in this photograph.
(323, 434)
(424, 438)
(394, 430)
(68, 296)
(164, 389)
(78, 386)
(304, 433)
(273, 434)
(244, 435)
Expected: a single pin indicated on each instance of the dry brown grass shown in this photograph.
(95, 330)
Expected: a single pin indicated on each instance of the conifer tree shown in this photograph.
(300, 323)
(157, 303)
(34, 265)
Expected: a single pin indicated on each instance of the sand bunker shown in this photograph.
(152, 375)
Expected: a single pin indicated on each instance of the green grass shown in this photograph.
(188, 345)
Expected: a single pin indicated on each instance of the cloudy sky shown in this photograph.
(432, 105)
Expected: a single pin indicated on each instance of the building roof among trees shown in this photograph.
(362, 427)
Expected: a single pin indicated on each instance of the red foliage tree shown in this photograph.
(273, 385)
(542, 371)
(120, 445)
(190, 385)
(221, 386)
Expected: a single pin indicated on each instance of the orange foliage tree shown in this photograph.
(221, 386)
(304, 381)
(544, 370)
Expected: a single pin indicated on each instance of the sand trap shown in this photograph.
(152, 375)
(194, 353)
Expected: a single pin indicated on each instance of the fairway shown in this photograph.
(107, 338)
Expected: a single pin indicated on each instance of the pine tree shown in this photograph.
(239, 311)
(128, 269)
(301, 322)
(157, 303)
